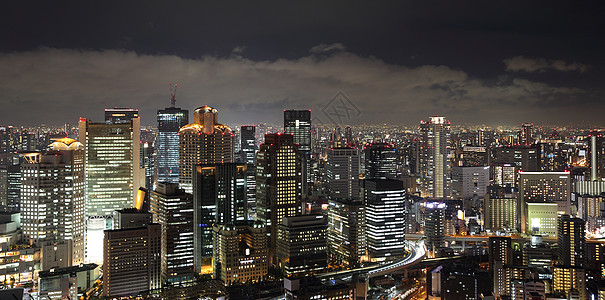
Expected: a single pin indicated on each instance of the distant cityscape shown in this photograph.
(190, 208)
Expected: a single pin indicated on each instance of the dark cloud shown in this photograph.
(522, 63)
(55, 85)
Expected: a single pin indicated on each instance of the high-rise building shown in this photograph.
(172, 208)
(504, 175)
(524, 157)
(380, 161)
(500, 255)
(132, 260)
(470, 182)
(240, 252)
(248, 144)
(10, 181)
(500, 213)
(434, 218)
(434, 161)
(544, 187)
(343, 173)
(540, 218)
(526, 134)
(278, 184)
(119, 115)
(302, 245)
(204, 141)
(346, 231)
(569, 273)
(298, 123)
(170, 120)
(385, 216)
(147, 161)
(52, 197)
(472, 157)
(219, 197)
(113, 175)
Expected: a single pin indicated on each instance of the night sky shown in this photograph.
(476, 62)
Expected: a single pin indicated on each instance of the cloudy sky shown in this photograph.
(476, 62)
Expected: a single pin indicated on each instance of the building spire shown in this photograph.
(173, 94)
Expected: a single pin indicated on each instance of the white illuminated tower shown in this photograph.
(434, 160)
(52, 197)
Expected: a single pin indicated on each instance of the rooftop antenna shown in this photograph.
(173, 94)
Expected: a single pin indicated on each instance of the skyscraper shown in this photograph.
(113, 175)
(172, 208)
(278, 186)
(569, 273)
(346, 231)
(52, 194)
(170, 120)
(343, 173)
(219, 197)
(204, 141)
(298, 123)
(302, 245)
(434, 161)
(434, 217)
(248, 156)
(380, 161)
(385, 213)
(526, 134)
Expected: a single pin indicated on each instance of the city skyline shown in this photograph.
(477, 64)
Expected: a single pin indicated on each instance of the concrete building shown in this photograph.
(380, 161)
(132, 260)
(385, 217)
(240, 252)
(346, 231)
(67, 283)
(172, 209)
(298, 124)
(302, 245)
(205, 141)
(434, 157)
(500, 213)
(569, 273)
(278, 184)
(52, 197)
(434, 217)
(470, 182)
(343, 173)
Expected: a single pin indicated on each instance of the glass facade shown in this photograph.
(170, 120)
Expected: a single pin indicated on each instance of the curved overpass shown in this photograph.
(417, 251)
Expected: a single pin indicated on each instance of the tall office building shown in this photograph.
(172, 208)
(248, 156)
(500, 255)
(219, 197)
(385, 213)
(248, 144)
(343, 173)
(524, 157)
(346, 231)
(470, 182)
(240, 252)
(569, 273)
(434, 161)
(526, 134)
(302, 245)
(10, 181)
(131, 260)
(500, 213)
(113, 175)
(119, 115)
(380, 161)
(298, 123)
(204, 141)
(544, 187)
(504, 175)
(52, 197)
(434, 218)
(170, 120)
(278, 184)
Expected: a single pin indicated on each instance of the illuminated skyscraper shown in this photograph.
(343, 173)
(248, 156)
(170, 120)
(526, 134)
(298, 123)
(302, 245)
(544, 187)
(346, 231)
(380, 161)
(219, 197)
(172, 208)
(569, 273)
(52, 197)
(434, 161)
(385, 216)
(204, 141)
(113, 175)
(434, 218)
(278, 186)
